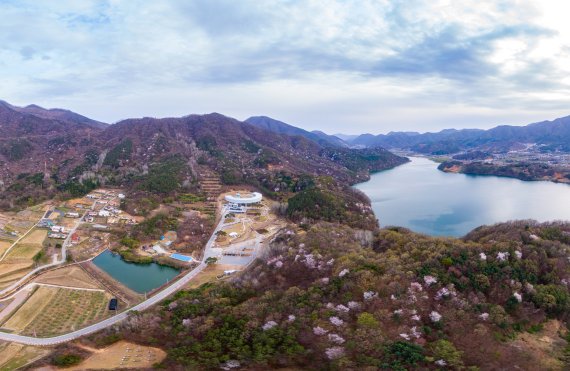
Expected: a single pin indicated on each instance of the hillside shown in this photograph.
(279, 127)
(45, 157)
(549, 135)
(334, 298)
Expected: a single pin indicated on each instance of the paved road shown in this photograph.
(29, 340)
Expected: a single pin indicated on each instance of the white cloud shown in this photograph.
(337, 66)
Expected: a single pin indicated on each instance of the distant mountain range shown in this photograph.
(548, 135)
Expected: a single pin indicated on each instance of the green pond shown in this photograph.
(138, 277)
(418, 196)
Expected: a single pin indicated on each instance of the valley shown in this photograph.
(145, 220)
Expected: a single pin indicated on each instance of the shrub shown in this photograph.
(553, 298)
(66, 360)
(367, 320)
(443, 349)
(402, 355)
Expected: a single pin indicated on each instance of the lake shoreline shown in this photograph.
(419, 197)
(481, 169)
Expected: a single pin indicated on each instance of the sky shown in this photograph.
(337, 66)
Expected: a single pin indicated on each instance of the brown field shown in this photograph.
(31, 308)
(14, 356)
(51, 311)
(23, 252)
(36, 237)
(4, 245)
(210, 273)
(8, 269)
(72, 276)
(122, 355)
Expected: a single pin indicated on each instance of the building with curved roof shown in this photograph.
(240, 199)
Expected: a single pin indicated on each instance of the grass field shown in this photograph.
(22, 252)
(31, 308)
(36, 237)
(71, 276)
(14, 356)
(51, 311)
(28, 247)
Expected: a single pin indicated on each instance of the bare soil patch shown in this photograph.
(122, 355)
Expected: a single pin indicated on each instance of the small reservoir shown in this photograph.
(138, 277)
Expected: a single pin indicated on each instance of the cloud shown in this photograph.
(374, 63)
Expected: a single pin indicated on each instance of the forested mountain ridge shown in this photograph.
(46, 157)
(280, 127)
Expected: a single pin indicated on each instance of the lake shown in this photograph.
(138, 277)
(418, 196)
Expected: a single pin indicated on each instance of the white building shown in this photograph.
(239, 199)
(238, 203)
(104, 213)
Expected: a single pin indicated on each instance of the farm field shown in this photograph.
(51, 311)
(72, 276)
(10, 272)
(4, 245)
(27, 248)
(36, 237)
(14, 356)
(31, 308)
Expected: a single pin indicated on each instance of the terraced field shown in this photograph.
(52, 311)
(4, 245)
(28, 247)
(72, 276)
(11, 272)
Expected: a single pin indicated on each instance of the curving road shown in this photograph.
(29, 340)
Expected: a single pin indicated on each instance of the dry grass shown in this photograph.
(238, 228)
(122, 355)
(546, 345)
(13, 356)
(11, 272)
(36, 237)
(71, 276)
(211, 273)
(8, 269)
(4, 245)
(23, 252)
(30, 310)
